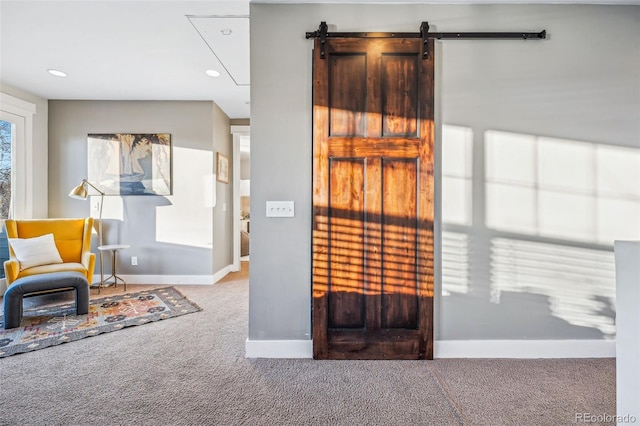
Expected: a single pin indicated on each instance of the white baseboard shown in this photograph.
(458, 349)
(524, 349)
(164, 279)
(173, 279)
(222, 273)
(279, 349)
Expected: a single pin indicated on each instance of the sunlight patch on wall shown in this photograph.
(113, 207)
(457, 151)
(579, 282)
(562, 189)
(455, 263)
(189, 218)
(618, 183)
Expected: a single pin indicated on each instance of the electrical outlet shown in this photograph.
(134, 260)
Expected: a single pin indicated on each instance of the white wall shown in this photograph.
(627, 255)
(538, 143)
(171, 235)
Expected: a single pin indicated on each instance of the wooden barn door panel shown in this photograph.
(373, 200)
(399, 244)
(346, 243)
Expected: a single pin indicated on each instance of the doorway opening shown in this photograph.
(241, 195)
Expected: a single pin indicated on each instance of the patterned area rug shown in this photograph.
(53, 325)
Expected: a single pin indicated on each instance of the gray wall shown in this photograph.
(223, 211)
(577, 91)
(179, 234)
(245, 166)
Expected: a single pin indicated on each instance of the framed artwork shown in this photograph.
(223, 168)
(130, 163)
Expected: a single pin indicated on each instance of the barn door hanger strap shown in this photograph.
(322, 33)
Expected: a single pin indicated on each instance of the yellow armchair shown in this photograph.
(72, 238)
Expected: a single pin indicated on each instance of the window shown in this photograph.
(16, 163)
(7, 132)
(6, 142)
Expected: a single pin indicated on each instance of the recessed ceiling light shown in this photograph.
(226, 31)
(212, 73)
(57, 73)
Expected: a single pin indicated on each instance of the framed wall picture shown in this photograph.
(130, 163)
(223, 168)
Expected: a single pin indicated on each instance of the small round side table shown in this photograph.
(114, 250)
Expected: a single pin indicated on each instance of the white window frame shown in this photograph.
(20, 113)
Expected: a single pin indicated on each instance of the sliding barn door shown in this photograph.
(373, 199)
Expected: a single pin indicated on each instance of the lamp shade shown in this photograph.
(79, 192)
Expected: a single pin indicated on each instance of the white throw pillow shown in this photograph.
(35, 251)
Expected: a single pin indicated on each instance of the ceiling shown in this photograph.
(141, 50)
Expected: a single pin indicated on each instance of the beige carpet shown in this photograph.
(192, 371)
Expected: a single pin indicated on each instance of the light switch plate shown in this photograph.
(280, 209)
